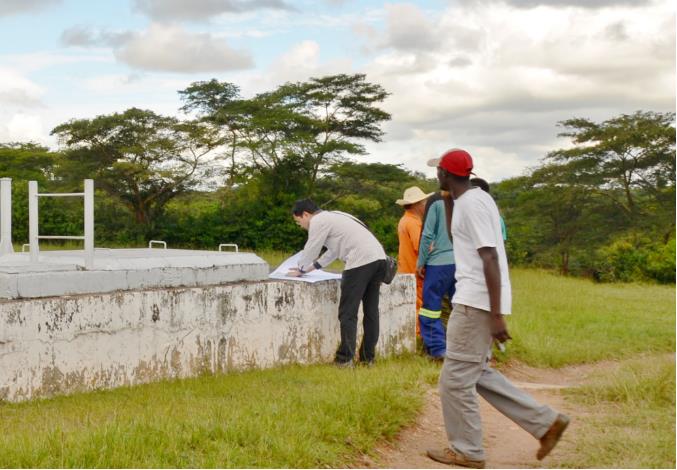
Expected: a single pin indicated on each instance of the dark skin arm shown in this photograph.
(492, 274)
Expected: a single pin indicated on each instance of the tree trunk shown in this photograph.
(564, 268)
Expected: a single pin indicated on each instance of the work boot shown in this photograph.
(552, 435)
(449, 457)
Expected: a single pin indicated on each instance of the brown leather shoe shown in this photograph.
(552, 435)
(449, 457)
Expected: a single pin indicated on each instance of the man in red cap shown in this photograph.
(482, 298)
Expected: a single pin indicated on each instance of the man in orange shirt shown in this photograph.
(409, 235)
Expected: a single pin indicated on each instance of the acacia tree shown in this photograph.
(623, 158)
(139, 157)
(320, 121)
(27, 161)
(564, 211)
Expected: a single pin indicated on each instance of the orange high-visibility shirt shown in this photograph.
(409, 235)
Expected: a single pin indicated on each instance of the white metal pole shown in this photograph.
(33, 221)
(6, 216)
(89, 223)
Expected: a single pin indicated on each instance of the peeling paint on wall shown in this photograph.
(59, 345)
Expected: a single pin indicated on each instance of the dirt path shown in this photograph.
(506, 444)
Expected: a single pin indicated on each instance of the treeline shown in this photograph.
(229, 171)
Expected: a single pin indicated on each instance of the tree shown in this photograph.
(369, 192)
(563, 210)
(27, 161)
(139, 157)
(623, 156)
(320, 121)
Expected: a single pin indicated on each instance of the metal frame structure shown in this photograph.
(6, 216)
(34, 236)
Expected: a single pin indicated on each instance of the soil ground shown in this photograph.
(506, 444)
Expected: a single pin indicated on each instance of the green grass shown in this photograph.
(318, 416)
(631, 417)
(558, 320)
(313, 416)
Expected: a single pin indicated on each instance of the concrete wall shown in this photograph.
(64, 344)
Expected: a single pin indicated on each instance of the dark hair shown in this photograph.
(429, 202)
(304, 205)
(447, 210)
(480, 183)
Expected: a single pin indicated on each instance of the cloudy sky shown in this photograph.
(490, 76)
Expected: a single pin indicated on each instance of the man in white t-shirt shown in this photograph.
(482, 298)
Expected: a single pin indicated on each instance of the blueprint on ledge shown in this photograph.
(292, 262)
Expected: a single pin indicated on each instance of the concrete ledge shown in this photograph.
(58, 272)
(58, 345)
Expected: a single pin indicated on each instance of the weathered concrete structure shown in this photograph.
(162, 321)
(63, 272)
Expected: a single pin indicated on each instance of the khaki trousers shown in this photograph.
(466, 373)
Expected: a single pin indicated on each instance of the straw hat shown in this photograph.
(412, 196)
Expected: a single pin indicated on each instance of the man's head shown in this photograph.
(414, 199)
(453, 170)
(303, 211)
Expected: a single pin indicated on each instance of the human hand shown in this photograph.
(499, 330)
(294, 272)
(420, 272)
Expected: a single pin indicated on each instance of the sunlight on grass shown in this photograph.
(312, 416)
(559, 320)
(630, 419)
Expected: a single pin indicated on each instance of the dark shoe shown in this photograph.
(552, 435)
(449, 457)
(344, 365)
(367, 363)
(436, 359)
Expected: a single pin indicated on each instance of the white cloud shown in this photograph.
(301, 62)
(86, 36)
(409, 29)
(25, 127)
(17, 91)
(589, 4)
(13, 7)
(173, 49)
(500, 78)
(201, 10)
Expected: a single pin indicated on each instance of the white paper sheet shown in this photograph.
(292, 262)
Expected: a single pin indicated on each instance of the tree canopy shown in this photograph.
(231, 167)
(139, 157)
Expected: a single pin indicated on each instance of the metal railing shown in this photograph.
(159, 242)
(6, 216)
(232, 245)
(34, 236)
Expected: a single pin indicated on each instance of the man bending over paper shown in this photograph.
(349, 240)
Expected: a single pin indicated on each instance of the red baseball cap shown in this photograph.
(457, 162)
